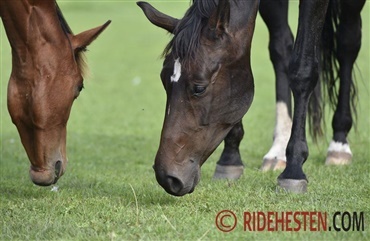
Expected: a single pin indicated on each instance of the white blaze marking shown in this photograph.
(169, 110)
(282, 132)
(176, 71)
(339, 147)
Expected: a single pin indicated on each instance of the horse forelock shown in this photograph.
(185, 41)
(79, 56)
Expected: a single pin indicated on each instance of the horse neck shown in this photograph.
(243, 13)
(242, 20)
(30, 27)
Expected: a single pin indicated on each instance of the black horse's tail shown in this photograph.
(316, 113)
(329, 69)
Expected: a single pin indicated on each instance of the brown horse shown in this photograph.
(46, 77)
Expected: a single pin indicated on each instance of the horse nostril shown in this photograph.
(175, 184)
(58, 167)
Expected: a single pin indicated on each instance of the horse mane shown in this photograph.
(185, 41)
(79, 56)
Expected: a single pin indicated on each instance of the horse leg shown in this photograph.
(348, 46)
(230, 165)
(303, 73)
(275, 15)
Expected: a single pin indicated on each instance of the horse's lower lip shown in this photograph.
(181, 193)
(42, 177)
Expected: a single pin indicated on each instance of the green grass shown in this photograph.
(109, 191)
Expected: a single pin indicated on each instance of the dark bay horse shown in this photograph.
(209, 85)
(46, 77)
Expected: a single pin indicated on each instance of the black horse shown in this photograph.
(340, 44)
(209, 84)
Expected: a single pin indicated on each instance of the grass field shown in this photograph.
(109, 191)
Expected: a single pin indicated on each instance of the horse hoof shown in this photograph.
(228, 172)
(338, 158)
(279, 165)
(292, 185)
(267, 165)
(273, 165)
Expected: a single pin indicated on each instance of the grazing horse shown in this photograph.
(209, 85)
(46, 77)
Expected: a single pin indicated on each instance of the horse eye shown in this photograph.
(198, 89)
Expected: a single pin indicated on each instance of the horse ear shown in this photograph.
(82, 40)
(219, 20)
(157, 18)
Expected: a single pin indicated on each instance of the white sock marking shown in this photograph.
(176, 71)
(339, 147)
(283, 126)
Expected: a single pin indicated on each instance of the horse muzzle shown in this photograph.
(49, 176)
(178, 180)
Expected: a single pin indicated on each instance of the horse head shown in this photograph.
(45, 80)
(209, 85)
